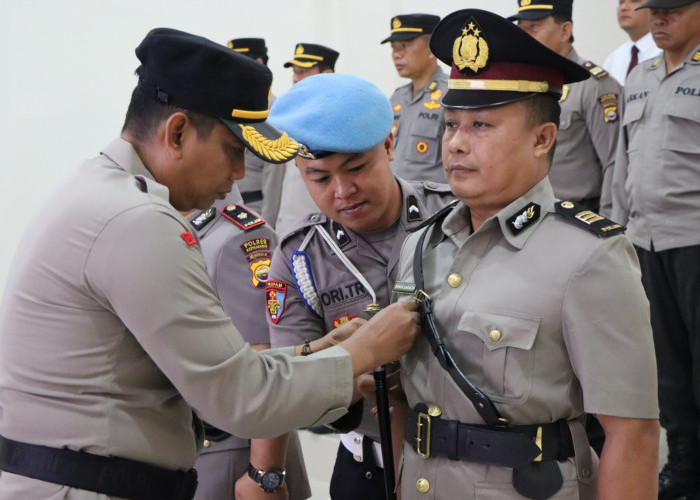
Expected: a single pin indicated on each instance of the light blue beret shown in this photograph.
(333, 113)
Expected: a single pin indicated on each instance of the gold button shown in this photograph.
(567, 204)
(422, 485)
(434, 411)
(454, 280)
(207, 443)
(495, 335)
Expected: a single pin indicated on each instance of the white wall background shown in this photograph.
(66, 69)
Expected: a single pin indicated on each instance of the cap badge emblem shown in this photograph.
(396, 23)
(469, 49)
(300, 49)
(525, 3)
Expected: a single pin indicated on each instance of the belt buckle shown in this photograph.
(423, 420)
(538, 443)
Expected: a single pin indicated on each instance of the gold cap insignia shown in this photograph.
(525, 3)
(229, 45)
(396, 23)
(300, 49)
(469, 49)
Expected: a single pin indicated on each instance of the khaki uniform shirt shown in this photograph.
(541, 321)
(341, 295)
(587, 138)
(110, 334)
(657, 171)
(237, 252)
(418, 128)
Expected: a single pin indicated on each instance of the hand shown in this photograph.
(343, 332)
(365, 385)
(247, 489)
(384, 338)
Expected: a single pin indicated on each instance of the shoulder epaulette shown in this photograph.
(436, 187)
(204, 218)
(581, 216)
(440, 213)
(595, 70)
(433, 85)
(242, 217)
(303, 225)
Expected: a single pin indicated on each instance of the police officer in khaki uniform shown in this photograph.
(655, 193)
(111, 336)
(418, 122)
(533, 309)
(590, 111)
(261, 188)
(334, 264)
(311, 59)
(237, 246)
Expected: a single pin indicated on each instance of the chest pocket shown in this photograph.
(506, 358)
(424, 139)
(683, 125)
(633, 113)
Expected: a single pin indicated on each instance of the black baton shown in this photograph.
(382, 395)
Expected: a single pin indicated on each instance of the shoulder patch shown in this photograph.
(204, 218)
(242, 217)
(595, 70)
(587, 219)
(275, 295)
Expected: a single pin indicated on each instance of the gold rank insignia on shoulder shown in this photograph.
(609, 103)
(404, 288)
(470, 50)
(203, 218)
(656, 62)
(432, 85)
(696, 56)
(523, 218)
(587, 219)
(242, 217)
(595, 70)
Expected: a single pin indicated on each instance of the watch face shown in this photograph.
(270, 481)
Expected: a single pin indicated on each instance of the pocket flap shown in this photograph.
(501, 329)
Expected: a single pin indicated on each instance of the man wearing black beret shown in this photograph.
(655, 193)
(533, 310)
(112, 341)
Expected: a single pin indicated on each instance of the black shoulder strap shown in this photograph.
(481, 402)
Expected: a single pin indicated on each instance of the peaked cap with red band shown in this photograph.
(495, 62)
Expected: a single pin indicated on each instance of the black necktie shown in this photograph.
(634, 60)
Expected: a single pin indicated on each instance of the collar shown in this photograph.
(517, 222)
(205, 218)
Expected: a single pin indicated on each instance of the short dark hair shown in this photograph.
(542, 108)
(145, 113)
(324, 67)
(560, 18)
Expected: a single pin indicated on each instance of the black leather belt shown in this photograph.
(111, 476)
(507, 446)
(252, 196)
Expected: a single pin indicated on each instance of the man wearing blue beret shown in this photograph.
(333, 264)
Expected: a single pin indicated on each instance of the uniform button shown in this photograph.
(368, 475)
(434, 411)
(314, 218)
(207, 443)
(585, 472)
(495, 335)
(454, 280)
(357, 458)
(431, 184)
(358, 440)
(423, 485)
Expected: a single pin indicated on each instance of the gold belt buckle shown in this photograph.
(538, 442)
(423, 420)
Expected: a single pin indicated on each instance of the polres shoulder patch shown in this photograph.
(587, 219)
(242, 217)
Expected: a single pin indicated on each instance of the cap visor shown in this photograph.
(531, 15)
(402, 37)
(265, 141)
(301, 64)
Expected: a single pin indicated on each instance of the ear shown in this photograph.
(567, 29)
(389, 146)
(545, 135)
(176, 127)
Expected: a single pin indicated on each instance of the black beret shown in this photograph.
(251, 47)
(494, 62)
(307, 55)
(409, 26)
(537, 9)
(196, 74)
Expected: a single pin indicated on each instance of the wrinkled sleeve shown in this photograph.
(155, 281)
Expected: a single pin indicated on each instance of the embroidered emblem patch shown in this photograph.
(342, 319)
(189, 239)
(470, 50)
(260, 272)
(398, 107)
(609, 103)
(242, 217)
(422, 147)
(259, 248)
(432, 105)
(523, 218)
(275, 294)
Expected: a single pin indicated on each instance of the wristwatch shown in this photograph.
(269, 480)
